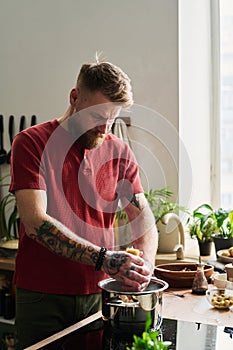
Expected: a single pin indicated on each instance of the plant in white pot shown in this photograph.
(170, 228)
(169, 225)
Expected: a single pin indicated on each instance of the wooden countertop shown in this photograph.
(194, 308)
(66, 331)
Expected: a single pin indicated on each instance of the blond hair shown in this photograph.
(107, 78)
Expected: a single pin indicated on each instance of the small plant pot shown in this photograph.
(222, 243)
(205, 248)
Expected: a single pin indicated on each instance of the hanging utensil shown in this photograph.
(33, 120)
(22, 123)
(3, 152)
(11, 131)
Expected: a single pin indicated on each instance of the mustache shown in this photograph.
(78, 132)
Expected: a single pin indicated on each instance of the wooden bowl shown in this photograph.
(180, 275)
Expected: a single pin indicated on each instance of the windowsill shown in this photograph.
(191, 254)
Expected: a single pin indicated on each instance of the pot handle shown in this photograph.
(146, 301)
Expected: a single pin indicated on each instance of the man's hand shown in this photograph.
(127, 268)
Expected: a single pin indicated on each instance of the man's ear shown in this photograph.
(74, 95)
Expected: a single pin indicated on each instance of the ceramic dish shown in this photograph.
(222, 255)
(180, 274)
(220, 298)
(220, 280)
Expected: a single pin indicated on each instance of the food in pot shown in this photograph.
(126, 298)
(133, 251)
(222, 301)
(186, 269)
(132, 315)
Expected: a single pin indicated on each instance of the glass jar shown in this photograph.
(200, 284)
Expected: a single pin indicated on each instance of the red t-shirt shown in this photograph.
(83, 188)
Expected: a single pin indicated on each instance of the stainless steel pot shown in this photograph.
(126, 309)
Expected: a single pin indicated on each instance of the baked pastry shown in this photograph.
(133, 251)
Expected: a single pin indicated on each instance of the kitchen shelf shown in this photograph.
(3, 320)
(7, 264)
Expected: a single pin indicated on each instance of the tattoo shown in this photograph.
(113, 265)
(94, 254)
(139, 201)
(135, 201)
(51, 237)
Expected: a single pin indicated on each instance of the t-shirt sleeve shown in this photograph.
(26, 170)
(131, 176)
(133, 173)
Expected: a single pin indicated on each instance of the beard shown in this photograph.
(91, 139)
(86, 138)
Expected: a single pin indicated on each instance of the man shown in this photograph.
(68, 176)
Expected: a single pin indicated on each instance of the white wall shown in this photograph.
(43, 43)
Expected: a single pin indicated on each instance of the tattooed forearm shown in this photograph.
(112, 266)
(51, 237)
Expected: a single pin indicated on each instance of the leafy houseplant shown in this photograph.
(8, 214)
(160, 204)
(223, 238)
(202, 223)
(205, 223)
(225, 224)
(149, 339)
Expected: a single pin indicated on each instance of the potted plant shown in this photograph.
(8, 219)
(202, 225)
(223, 237)
(160, 204)
(164, 211)
(149, 340)
(169, 225)
(205, 224)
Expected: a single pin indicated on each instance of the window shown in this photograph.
(226, 69)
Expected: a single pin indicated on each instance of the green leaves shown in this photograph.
(149, 339)
(8, 216)
(227, 226)
(205, 222)
(221, 215)
(202, 223)
(8, 213)
(159, 203)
